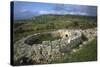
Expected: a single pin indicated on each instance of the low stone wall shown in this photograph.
(47, 50)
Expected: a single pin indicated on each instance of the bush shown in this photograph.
(84, 38)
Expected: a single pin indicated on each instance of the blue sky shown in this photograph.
(25, 10)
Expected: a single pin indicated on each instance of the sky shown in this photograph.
(26, 10)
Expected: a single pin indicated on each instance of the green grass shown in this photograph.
(45, 23)
(87, 53)
(38, 39)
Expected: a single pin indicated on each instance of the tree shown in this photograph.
(75, 24)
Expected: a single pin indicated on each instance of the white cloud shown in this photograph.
(82, 13)
(47, 12)
(23, 10)
(78, 13)
(52, 12)
(62, 12)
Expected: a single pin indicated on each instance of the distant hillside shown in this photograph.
(42, 23)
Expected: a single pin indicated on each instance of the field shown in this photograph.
(45, 23)
(87, 53)
(50, 22)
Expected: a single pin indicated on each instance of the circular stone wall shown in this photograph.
(38, 38)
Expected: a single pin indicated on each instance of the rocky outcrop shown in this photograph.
(47, 51)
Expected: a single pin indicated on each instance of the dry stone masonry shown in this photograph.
(27, 51)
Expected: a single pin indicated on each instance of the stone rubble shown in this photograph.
(50, 50)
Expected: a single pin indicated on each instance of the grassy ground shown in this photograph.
(38, 39)
(45, 23)
(87, 53)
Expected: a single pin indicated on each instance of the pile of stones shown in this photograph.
(46, 51)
